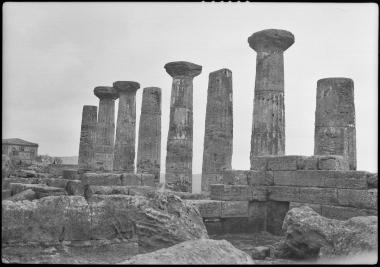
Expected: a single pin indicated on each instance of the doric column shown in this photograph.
(105, 129)
(180, 137)
(335, 132)
(149, 143)
(217, 151)
(124, 158)
(86, 158)
(268, 127)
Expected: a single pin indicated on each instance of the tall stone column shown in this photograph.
(217, 150)
(105, 129)
(124, 158)
(268, 129)
(335, 132)
(149, 144)
(86, 158)
(180, 137)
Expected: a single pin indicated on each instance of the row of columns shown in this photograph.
(334, 119)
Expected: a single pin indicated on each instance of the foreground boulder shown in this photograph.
(309, 235)
(157, 221)
(201, 251)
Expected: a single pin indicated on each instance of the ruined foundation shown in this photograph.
(105, 129)
(217, 152)
(124, 155)
(86, 158)
(335, 132)
(180, 137)
(149, 144)
(268, 127)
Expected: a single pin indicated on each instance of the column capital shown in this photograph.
(126, 86)
(106, 92)
(183, 69)
(271, 40)
(335, 82)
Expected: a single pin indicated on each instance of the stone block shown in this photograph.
(235, 177)
(308, 163)
(234, 209)
(259, 193)
(208, 208)
(130, 179)
(372, 181)
(260, 253)
(110, 190)
(315, 207)
(5, 193)
(237, 192)
(345, 179)
(298, 178)
(276, 212)
(283, 193)
(257, 214)
(101, 179)
(148, 179)
(260, 178)
(210, 178)
(318, 195)
(216, 191)
(284, 163)
(70, 174)
(259, 163)
(344, 213)
(366, 199)
(54, 182)
(333, 162)
(74, 188)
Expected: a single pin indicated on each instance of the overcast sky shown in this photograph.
(56, 53)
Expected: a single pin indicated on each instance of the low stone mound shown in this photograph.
(309, 235)
(201, 251)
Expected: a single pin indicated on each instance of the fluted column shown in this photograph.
(217, 151)
(105, 129)
(149, 143)
(124, 158)
(335, 131)
(86, 158)
(180, 137)
(268, 126)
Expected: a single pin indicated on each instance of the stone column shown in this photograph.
(217, 151)
(335, 132)
(86, 158)
(268, 126)
(149, 146)
(124, 158)
(180, 137)
(105, 129)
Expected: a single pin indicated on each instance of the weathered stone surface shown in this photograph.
(308, 234)
(333, 162)
(257, 214)
(25, 173)
(259, 193)
(345, 179)
(202, 251)
(124, 153)
(268, 130)
(318, 195)
(6, 166)
(74, 188)
(283, 193)
(283, 163)
(366, 199)
(180, 137)
(102, 178)
(233, 177)
(276, 212)
(260, 253)
(260, 178)
(149, 142)
(335, 132)
(259, 163)
(41, 190)
(308, 163)
(70, 174)
(110, 190)
(130, 179)
(187, 195)
(372, 181)
(28, 194)
(217, 152)
(105, 128)
(207, 208)
(5, 193)
(211, 178)
(230, 192)
(8, 181)
(234, 209)
(316, 207)
(158, 220)
(344, 213)
(148, 179)
(86, 158)
(299, 178)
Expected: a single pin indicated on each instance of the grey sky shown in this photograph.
(56, 53)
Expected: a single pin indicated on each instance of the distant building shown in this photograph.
(21, 149)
